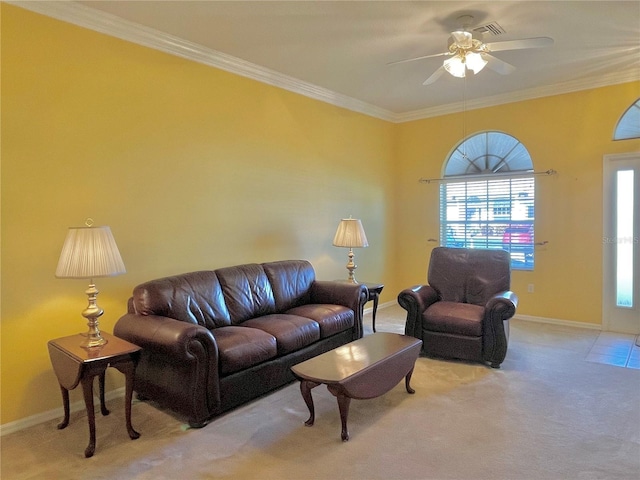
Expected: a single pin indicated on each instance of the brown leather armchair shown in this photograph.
(464, 311)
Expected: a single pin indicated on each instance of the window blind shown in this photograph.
(494, 214)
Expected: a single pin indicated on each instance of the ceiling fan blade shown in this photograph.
(419, 58)
(537, 42)
(497, 65)
(434, 76)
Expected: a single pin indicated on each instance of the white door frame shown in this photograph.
(619, 319)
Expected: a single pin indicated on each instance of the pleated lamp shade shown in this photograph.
(350, 234)
(89, 252)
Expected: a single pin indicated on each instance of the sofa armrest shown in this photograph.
(350, 295)
(416, 300)
(164, 335)
(172, 350)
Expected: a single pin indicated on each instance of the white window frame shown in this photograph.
(494, 208)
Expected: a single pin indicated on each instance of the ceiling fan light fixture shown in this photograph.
(461, 39)
(475, 62)
(455, 66)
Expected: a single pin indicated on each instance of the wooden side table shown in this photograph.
(375, 289)
(74, 364)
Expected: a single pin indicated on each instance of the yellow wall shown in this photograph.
(569, 133)
(192, 167)
(196, 168)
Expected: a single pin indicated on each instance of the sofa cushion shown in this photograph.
(194, 297)
(331, 318)
(456, 318)
(291, 282)
(247, 292)
(291, 331)
(241, 347)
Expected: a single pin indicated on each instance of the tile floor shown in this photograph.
(615, 349)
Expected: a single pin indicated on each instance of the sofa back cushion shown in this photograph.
(194, 297)
(291, 282)
(469, 275)
(247, 292)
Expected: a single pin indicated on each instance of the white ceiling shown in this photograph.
(338, 51)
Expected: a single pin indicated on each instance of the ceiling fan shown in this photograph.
(468, 52)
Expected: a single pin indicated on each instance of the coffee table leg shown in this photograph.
(407, 379)
(343, 406)
(305, 390)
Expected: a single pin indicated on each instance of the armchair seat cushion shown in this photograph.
(290, 331)
(455, 318)
(332, 319)
(240, 347)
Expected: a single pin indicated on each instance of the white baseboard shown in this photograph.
(381, 306)
(27, 422)
(555, 321)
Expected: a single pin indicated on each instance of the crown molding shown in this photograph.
(87, 17)
(522, 95)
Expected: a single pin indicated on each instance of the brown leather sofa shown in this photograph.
(213, 340)
(464, 311)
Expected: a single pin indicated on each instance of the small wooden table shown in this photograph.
(74, 364)
(366, 368)
(374, 289)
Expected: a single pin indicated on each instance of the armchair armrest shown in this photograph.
(415, 300)
(350, 295)
(502, 305)
(495, 328)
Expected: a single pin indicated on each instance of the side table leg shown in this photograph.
(128, 369)
(65, 405)
(87, 390)
(375, 309)
(407, 379)
(103, 406)
(305, 390)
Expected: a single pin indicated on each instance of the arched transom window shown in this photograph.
(629, 124)
(487, 198)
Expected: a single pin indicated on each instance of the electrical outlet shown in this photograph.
(530, 288)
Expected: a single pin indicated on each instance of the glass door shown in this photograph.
(621, 238)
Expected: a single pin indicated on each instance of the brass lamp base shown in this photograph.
(351, 267)
(92, 313)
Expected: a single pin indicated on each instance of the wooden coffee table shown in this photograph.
(365, 368)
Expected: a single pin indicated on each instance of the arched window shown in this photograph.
(629, 124)
(487, 197)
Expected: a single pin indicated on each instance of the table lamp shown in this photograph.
(350, 234)
(90, 252)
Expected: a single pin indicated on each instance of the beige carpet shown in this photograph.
(546, 414)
